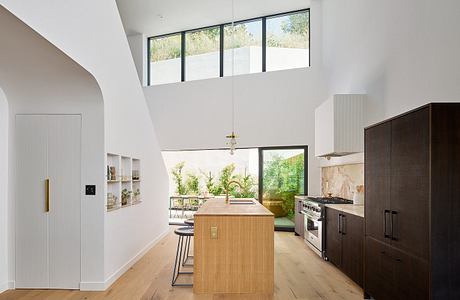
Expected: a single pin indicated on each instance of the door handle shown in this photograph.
(47, 195)
(339, 222)
(385, 213)
(393, 213)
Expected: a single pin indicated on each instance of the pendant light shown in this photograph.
(232, 137)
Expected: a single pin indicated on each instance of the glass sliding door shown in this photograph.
(282, 175)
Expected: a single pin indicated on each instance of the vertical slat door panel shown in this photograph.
(31, 217)
(65, 200)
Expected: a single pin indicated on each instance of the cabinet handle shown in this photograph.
(386, 212)
(393, 213)
(344, 224)
(47, 195)
(339, 222)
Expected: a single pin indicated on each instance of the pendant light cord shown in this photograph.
(233, 66)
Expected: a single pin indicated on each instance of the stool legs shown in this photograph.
(187, 252)
(181, 249)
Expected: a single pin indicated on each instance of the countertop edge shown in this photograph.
(353, 209)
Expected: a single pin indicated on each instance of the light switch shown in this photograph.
(90, 190)
(214, 233)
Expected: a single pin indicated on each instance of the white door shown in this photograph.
(48, 242)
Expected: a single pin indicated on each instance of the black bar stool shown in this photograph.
(182, 232)
(191, 223)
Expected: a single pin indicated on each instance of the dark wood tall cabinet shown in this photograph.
(412, 210)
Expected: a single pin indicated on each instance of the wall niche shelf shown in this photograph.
(123, 182)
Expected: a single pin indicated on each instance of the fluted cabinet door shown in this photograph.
(48, 224)
(65, 195)
(31, 216)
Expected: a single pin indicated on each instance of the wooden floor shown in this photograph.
(299, 274)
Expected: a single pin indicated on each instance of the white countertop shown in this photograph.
(357, 210)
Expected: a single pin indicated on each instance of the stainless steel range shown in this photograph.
(314, 220)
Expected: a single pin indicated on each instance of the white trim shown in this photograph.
(92, 286)
(102, 286)
(7, 285)
(4, 286)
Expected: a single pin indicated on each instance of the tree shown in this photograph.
(247, 182)
(178, 179)
(297, 24)
(295, 32)
(226, 175)
(283, 179)
(192, 184)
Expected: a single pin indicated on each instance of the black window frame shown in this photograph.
(221, 41)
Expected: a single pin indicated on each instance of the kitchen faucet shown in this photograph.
(228, 187)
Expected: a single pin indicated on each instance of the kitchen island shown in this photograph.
(233, 248)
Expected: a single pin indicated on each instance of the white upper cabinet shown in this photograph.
(339, 126)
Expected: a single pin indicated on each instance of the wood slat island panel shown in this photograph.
(214, 207)
(241, 259)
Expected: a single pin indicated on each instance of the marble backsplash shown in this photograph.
(341, 181)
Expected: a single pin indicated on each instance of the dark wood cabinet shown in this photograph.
(333, 237)
(299, 217)
(379, 270)
(344, 243)
(377, 158)
(353, 246)
(409, 189)
(412, 224)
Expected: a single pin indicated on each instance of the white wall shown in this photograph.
(403, 54)
(138, 46)
(99, 44)
(37, 78)
(272, 108)
(3, 192)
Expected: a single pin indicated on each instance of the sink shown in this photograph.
(247, 201)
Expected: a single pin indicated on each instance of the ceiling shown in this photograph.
(156, 17)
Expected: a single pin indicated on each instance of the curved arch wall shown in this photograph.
(38, 78)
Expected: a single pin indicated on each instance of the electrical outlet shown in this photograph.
(214, 233)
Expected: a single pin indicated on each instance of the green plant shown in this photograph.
(178, 179)
(283, 179)
(210, 183)
(247, 182)
(192, 184)
(125, 196)
(226, 175)
(136, 194)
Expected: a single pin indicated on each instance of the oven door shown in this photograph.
(313, 231)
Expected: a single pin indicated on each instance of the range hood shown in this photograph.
(339, 126)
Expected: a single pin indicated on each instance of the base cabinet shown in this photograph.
(392, 274)
(344, 243)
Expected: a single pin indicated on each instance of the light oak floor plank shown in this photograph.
(299, 274)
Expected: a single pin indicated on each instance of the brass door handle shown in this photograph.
(47, 195)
